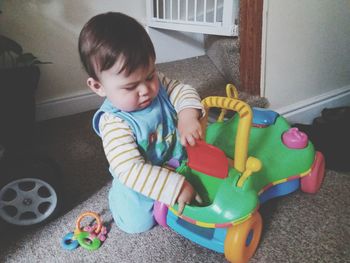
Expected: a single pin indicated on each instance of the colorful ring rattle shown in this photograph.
(89, 237)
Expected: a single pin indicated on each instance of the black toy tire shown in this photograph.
(29, 191)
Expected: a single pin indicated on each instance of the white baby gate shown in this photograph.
(214, 17)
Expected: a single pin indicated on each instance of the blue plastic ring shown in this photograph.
(68, 242)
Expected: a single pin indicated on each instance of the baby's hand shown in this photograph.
(186, 195)
(189, 126)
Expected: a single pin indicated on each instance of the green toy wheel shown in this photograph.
(87, 242)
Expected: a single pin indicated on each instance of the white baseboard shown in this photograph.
(67, 106)
(305, 111)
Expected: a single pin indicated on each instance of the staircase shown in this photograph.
(210, 73)
(218, 21)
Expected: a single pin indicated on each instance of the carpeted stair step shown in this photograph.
(201, 73)
(224, 52)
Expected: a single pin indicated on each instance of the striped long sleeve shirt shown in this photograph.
(125, 159)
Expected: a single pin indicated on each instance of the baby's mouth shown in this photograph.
(145, 103)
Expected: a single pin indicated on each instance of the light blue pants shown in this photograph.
(132, 211)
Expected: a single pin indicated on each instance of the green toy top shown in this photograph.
(228, 201)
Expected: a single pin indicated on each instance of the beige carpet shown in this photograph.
(297, 228)
(201, 73)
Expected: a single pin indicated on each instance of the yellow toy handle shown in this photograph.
(232, 93)
(246, 115)
(253, 165)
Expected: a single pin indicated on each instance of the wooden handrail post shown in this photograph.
(250, 35)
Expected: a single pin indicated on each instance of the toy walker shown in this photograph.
(244, 162)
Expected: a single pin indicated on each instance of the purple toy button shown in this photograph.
(174, 163)
(295, 139)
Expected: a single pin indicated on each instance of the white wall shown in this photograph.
(175, 45)
(306, 51)
(50, 30)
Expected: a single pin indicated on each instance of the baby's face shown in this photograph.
(133, 92)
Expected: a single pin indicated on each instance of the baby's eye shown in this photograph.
(130, 88)
(150, 77)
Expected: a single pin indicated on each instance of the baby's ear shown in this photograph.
(96, 87)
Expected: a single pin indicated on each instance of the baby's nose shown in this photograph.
(143, 90)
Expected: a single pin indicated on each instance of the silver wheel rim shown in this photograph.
(27, 201)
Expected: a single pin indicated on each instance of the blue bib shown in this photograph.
(154, 128)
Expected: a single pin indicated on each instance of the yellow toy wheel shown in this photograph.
(242, 240)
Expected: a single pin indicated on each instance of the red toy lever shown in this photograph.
(207, 159)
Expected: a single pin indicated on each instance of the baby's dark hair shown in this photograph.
(107, 37)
